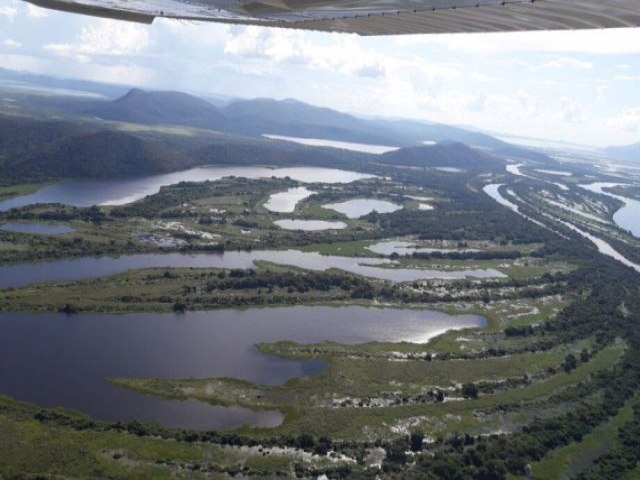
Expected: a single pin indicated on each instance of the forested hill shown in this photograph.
(291, 117)
(625, 152)
(97, 154)
(70, 137)
(36, 150)
(166, 108)
(19, 135)
(454, 154)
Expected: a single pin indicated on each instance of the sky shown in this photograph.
(579, 87)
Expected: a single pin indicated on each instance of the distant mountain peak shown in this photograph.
(624, 152)
(160, 107)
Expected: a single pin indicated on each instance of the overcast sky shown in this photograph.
(579, 87)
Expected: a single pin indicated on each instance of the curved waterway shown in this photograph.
(84, 193)
(56, 360)
(17, 275)
(628, 216)
(602, 246)
(493, 190)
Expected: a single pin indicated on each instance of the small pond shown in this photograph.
(285, 202)
(309, 225)
(360, 207)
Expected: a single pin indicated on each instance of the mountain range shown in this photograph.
(283, 117)
(52, 135)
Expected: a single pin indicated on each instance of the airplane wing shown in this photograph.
(374, 17)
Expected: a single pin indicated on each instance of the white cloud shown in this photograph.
(277, 45)
(9, 12)
(104, 37)
(371, 70)
(36, 12)
(628, 119)
(25, 62)
(529, 103)
(127, 74)
(602, 91)
(479, 103)
(10, 43)
(484, 78)
(627, 78)
(341, 53)
(562, 62)
(572, 111)
(455, 102)
(601, 42)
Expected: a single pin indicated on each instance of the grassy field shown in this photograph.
(159, 289)
(391, 388)
(32, 447)
(566, 462)
(369, 392)
(10, 191)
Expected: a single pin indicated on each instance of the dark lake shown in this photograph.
(58, 360)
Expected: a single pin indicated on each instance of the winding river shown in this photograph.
(628, 216)
(602, 246)
(17, 275)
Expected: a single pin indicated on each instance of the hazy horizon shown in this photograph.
(576, 87)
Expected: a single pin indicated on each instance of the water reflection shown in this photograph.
(56, 360)
(84, 193)
(360, 207)
(285, 202)
(309, 225)
(17, 275)
(400, 247)
(320, 142)
(628, 216)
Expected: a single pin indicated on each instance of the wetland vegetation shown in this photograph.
(166, 326)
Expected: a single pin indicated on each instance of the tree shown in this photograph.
(584, 355)
(305, 441)
(469, 390)
(570, 363)
(179, 307)
(415, 441)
